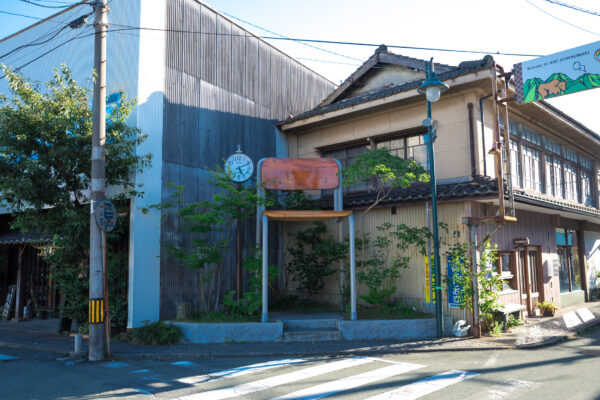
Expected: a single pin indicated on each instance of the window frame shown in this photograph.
(370, 143)
(551, 183)
(510, 278)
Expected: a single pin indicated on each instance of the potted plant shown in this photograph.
(547, 308)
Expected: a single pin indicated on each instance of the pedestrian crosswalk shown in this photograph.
(329, 386)
(348, 378)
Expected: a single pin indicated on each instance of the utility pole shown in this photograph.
(96, 309)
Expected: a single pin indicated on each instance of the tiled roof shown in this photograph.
(478, 187)
(463, 68)
(16, 237)
(554, 203)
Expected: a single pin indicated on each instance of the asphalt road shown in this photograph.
(568, 370)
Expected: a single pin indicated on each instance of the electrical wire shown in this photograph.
(34, 43)
(130, 27)
(562, 20)
(80, 36)
(47, 6)
(287, 38)
(20, 15)
(405, 47)
(560, 3)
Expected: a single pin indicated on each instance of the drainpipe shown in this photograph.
(474, 266)
(471, 139)
(483, 132)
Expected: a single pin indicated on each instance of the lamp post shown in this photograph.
(432, 88)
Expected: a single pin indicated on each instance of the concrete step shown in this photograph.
(293, 325)
(312, 336)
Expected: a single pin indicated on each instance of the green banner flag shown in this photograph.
(558, 74)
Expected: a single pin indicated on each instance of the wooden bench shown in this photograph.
(275, 173)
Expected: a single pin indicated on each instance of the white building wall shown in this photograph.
(143, 81)
(144, 229)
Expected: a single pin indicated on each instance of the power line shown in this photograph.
(287, 38)
(34, 43)
(130, 27)
(405, 47)
(47, 6)
(20, 15)
(562, 20)
(560, 3)
(80, 36)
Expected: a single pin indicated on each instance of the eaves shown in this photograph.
(407, 93)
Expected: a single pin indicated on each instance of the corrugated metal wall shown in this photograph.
(223, 87)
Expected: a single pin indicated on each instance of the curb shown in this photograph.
(405, 350)
(559, 338)
(376, 349)
(21, 346)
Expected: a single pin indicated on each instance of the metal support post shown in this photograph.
(265, 269)
(474, 266)
(353, 315)
(96, 291)
(436, 261)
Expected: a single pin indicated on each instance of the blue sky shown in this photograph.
(519, 26)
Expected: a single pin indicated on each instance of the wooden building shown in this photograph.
(549, 254)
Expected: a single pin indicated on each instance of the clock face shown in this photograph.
(239, 167)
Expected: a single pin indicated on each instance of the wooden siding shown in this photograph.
(540, 230)
(223, 87)
(411, 284)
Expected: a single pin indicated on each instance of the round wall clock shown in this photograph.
(239, 167)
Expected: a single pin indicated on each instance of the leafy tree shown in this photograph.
(210, 223)
(251, 302)
(45, 164)
(387, 170)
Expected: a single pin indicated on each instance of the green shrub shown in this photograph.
(313, 253)
(513, 321)
(495, 328)
(156, 333)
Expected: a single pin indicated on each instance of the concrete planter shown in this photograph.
(231, 332)
(400, 329)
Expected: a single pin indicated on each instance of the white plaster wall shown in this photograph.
(144, 241)
(452, 151)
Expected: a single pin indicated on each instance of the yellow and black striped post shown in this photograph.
(96, 311)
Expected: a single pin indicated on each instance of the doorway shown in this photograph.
(531, 286)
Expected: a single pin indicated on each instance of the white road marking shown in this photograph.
(4, 357)
(571, 319)
(277, 380)
(425, 386)
(115, 364)
(383, 360)
(491, 361)
(504, 389)
(143, 391)
(585, 314)
(350, 382)
(183, 363)
(235, 372)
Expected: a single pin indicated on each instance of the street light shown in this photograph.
(432, 88)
